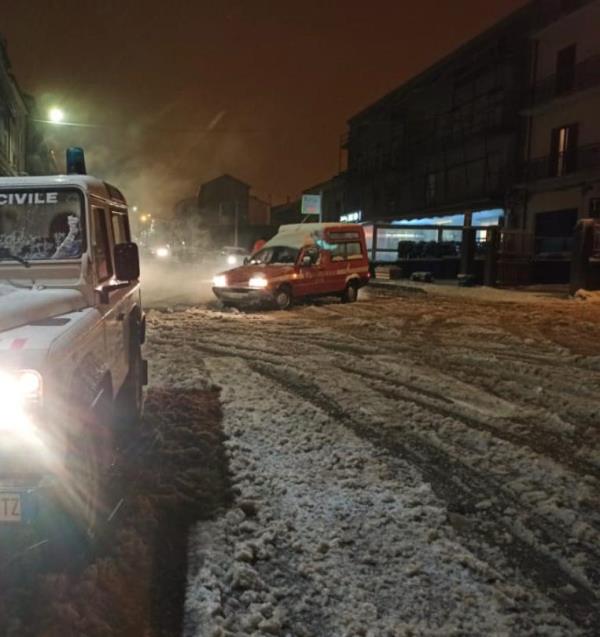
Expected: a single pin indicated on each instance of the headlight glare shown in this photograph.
(231, 260)
(220, 281)
(258, 282)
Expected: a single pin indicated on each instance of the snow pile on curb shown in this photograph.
(587, 295)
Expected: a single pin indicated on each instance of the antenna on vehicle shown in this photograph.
(76, 161)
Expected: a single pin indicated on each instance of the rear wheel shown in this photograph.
(350, 294)
(283, 298)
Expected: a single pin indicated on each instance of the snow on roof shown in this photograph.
(298, 235)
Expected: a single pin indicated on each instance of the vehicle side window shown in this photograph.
(313, 253)
(338, 252)
(102, 260)
(353, 251)
(120, 227)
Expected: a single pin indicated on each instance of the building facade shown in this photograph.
(447, 141)
(13, 120)
(560, 176)
(23, 149)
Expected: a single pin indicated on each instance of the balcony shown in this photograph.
(574, 161)
(583, 76)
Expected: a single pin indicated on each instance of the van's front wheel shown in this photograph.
(283, 298)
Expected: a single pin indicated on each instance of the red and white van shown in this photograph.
(304, 260)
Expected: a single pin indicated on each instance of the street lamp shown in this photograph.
(56, 115)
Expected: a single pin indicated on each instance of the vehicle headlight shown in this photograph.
(257, 282)
(220, 281)
(231, 260)
(162, 252)
(17, 392)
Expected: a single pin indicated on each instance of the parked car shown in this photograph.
(305, 260)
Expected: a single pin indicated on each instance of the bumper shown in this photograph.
(24, 503)
(243, 296)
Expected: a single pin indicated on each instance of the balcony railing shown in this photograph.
(562, 164)
(584, 75)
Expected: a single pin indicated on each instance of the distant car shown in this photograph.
(162, 252)
(306, 260)
(231, 257)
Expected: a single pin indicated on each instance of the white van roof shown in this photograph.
(90, 184)
(298, 235)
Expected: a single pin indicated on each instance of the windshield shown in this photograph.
(276, 255)
(36, 225)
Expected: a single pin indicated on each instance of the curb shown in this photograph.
(388, 285)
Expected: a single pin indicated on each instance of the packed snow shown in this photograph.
(406, 465)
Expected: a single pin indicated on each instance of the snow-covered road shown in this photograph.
(407, 465)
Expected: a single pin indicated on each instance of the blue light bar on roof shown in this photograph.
(76, 161)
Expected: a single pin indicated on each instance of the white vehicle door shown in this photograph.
(103, 270)
(124, 299)
(113, 322)
(127, 297)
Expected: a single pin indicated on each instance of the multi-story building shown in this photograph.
(23, 149)
(233, 216)
(446, 142)
(13, 120)
(560, 178)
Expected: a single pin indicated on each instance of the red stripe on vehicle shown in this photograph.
(18, 343)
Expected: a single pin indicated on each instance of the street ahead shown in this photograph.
(417, 463)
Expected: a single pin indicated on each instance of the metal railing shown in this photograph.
(584, 75)
(563, 164)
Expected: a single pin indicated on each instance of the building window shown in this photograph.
(565, 69)
(554, 231)
(563, 150)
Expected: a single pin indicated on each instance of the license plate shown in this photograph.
(10, 507)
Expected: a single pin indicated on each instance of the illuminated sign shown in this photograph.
(351, 217)
(311, 205)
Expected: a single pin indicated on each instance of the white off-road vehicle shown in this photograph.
(71, 331)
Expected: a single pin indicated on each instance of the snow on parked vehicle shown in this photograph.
(71, 330)
(304, 260)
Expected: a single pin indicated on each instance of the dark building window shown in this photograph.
(565, 69)
(563, 150)
(554, 230)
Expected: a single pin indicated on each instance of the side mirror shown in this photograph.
(246, 260)
(127, 262)
(306, 260)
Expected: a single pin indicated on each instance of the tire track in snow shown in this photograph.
(579, 602)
